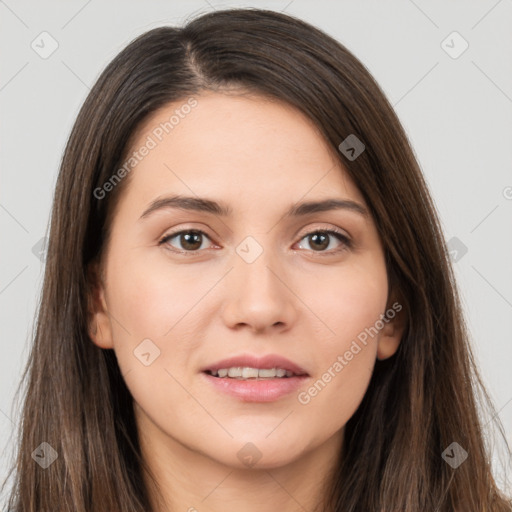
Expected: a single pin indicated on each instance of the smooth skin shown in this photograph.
(302, 299)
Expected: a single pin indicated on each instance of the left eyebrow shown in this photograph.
(208, 206)
(307, 208)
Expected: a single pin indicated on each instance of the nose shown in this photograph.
(258, 296)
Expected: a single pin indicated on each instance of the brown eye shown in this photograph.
(321, 239)
(190, 240)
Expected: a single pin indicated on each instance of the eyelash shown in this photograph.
(347, 243)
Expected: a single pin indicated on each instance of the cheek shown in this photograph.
(347, 299)
(149, 307)
(334, 395)
(150, 301)
(155, 323)
(350, 306)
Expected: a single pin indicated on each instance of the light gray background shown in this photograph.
(456, 111)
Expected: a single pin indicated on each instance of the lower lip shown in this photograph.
(267, 390)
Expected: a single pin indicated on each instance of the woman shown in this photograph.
(248, 302)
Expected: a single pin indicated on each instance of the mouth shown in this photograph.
(253, 379)
(248, 373)
(247, 366)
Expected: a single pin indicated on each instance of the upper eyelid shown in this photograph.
(337, 230)
(340, 231)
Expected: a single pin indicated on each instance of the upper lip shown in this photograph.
(268, 361)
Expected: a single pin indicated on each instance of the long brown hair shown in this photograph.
(419, 401)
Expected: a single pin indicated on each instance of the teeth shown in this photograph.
(235, 372)
(267, 373)
(252, 373)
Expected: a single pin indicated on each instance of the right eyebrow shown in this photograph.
(188, 203)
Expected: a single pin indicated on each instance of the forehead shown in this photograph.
(248, 148)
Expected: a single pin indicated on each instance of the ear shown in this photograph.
(98, 318)
(394, 327)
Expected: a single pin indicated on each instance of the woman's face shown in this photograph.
(255, 280)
